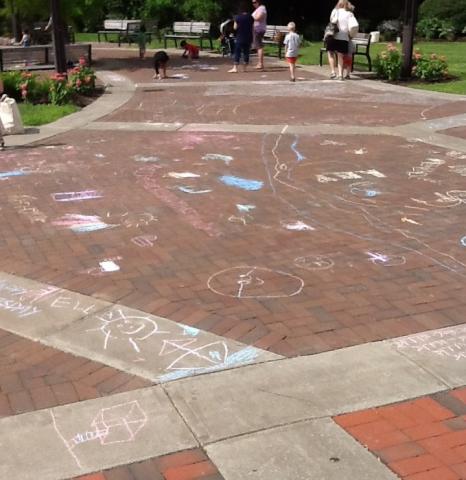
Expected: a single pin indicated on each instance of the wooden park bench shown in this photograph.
(362, 45)
(189, 30)
(274, 35)
(125, 30)
(41, 57)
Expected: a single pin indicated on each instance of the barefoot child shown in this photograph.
(160, 63)
(292, 42)
(142, 41)
(190, 51)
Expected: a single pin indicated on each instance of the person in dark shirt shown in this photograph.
(244, 29)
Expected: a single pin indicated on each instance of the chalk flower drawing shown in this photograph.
(117, 325)
(112, 425)
(255, 282)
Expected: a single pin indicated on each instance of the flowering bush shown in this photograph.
(430, 68)
(82, 78)
(60, 89)
(388, 63)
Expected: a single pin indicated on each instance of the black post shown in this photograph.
(58, 37)
(409, 31)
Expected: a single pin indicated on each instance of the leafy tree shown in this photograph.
(453, 10)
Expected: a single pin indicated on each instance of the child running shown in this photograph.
(190, 50)
(292, 42)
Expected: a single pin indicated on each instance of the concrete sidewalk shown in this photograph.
(174, 254)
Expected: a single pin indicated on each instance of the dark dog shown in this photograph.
(160, 63)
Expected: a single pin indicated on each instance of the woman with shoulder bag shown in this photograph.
(337, 45)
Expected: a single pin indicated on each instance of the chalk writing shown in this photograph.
(23, 310)
(336, 176)
(255, 282)
(242, 183)
(459, 169)
(76, 196)
(24, 206)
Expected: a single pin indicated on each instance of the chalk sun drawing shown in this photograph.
(314, 262)
(112, 425)
(386, 260)
(81, 223)
(227, 159)
(76, 196)
(255, 282)
(116, 324)
(242, 183)
(298, 226)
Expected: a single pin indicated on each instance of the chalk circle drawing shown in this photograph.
(463, 241)
(364, 190)
(386, 260)
(314, 262)
(227, 159)
(447, 342)
(81, 223)
(242, 183)
(76, 196)
(112, 425)
(297, 226)
(116, 324)
(255, 282)
(144, 241)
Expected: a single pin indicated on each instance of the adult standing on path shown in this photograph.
(338, 44)
(244, 28)
(260, 26)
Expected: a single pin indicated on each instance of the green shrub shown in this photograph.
(388, 63)
(11, 81)
(430, 68)
(429, 28)
(453, 10)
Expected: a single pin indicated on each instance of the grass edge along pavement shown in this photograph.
(36, 115)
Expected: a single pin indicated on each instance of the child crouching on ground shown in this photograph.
(160, 63)
(292, 42)
(190, 51)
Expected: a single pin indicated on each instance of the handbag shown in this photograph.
(330, 30)
(10, 117)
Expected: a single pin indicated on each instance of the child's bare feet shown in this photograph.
(233, 70)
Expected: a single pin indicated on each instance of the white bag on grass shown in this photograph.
(10, 116)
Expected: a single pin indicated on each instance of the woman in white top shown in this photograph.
(338, 44)
(260, 26)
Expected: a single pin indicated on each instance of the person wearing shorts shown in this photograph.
(243, 27)
(292, 42)
(260, 26)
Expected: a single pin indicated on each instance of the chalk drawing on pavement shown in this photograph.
(81, 223)
(227, 159)
(356, 175)
(144, 241)
(386, 260)
(298, 226)
(255, 282)
(242, 183)
(314, 262)
(193, 190)
(76, 196)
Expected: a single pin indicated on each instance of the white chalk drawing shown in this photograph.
(227, 159)
(198, 66)
(449, 343)
(333, 143)
(337, 176)
(298, 226)
(364, 190)
(457, 155)
(410, 220)
(193, 190)
(463, 241)
(314, 262)
(360, 151)
(182, 175)
(386, 260)
(426, 168)
(450, 199)
(179, 76)
(459, 169)
(245, 208)
(255, 282)
(103, 269)
(76, 196)
(144, 240)
(24, 205)
(116, 324)
(112, 425)
(146, 159)
(99, 155)
(109, 266)
(130, 219)
(81, 223)
(244, 219)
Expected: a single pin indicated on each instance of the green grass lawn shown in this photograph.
(454, 51)
(35, 115)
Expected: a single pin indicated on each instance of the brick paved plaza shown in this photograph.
(217, 276)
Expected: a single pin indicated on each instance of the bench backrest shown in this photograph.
(123, 25)
(191, 27)
(273, 30)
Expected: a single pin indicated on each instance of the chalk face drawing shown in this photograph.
(144, 241)
(227, 159)
(337, 176)
(76, 196)
(242, 183)
(447, 342)
(314, 262)
(81, 223)
(298, 226)
(386, 260)
(112, 425)
(255, 282)
(193, 190)
(116, 324)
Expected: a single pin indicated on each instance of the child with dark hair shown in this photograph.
(244, 33)
(160, 63)
(190, 50)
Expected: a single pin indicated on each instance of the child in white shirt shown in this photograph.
(292, 42)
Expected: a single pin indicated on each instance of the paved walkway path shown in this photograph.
(209, 227)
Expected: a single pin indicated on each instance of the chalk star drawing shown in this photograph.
(117, 325)
(255, 282)
(314, 262)
(386, 260)
(118, 424)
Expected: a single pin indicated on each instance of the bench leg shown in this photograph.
(211, 43)
(369, 61)
(164, 43)
(279, 51)
(320, 58)
(200, 42)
